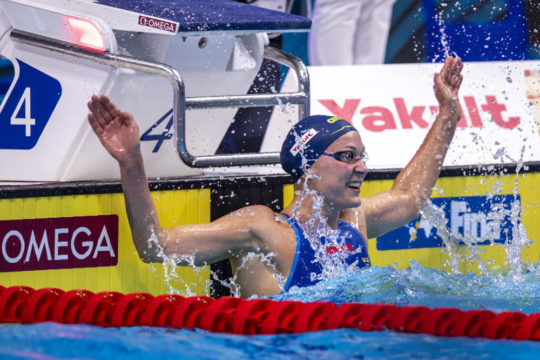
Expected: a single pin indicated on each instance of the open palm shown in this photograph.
(116, 130)
(448, 81)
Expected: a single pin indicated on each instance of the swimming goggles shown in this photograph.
(349, 156)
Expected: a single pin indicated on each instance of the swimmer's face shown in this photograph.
(339, 181)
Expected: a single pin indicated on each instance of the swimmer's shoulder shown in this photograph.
(261, 211)
(256, 216)
(264, 222)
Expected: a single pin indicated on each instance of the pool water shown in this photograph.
(429, 287)
(55, 341)
(414, 286)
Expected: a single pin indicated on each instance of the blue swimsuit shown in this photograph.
(306, 263)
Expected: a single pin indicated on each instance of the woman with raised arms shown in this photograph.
(261, 243)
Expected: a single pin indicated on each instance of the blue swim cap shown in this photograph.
(308, 139)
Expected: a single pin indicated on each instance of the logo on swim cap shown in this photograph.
(333, 120)
(303, 140)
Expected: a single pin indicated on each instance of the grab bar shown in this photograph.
(180, 102)
(301, 97)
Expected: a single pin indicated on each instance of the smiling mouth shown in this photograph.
(354, 184)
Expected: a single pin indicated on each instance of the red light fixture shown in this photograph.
(86, 34)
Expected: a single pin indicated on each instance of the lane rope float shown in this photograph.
(22, 304)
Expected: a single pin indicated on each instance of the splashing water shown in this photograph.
(445, 47)
(444, 39)
(170, 265)
(497, 215)
(177, 285)
(417, 285)
(266, 259)
(320, 235)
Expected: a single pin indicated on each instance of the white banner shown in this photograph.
(393, 106)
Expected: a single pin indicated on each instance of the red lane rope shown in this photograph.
(23, 304)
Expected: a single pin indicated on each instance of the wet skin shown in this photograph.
(258, 241)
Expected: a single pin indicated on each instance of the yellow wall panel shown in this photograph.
(288, 195)
(130, 274)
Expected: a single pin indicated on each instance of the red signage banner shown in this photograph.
(58, 243)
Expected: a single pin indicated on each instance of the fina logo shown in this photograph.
(475, 218)
(27, 108)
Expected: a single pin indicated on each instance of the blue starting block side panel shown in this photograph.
(28, 108)
(214, 15)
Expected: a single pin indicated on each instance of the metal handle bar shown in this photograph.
(301, 97)
(180, 102)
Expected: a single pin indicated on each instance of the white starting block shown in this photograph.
(182, 72)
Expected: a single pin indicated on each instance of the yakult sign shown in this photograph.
(58, 243)
(393, 106)
(380, 118)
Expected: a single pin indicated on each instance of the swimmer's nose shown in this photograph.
(361, 167)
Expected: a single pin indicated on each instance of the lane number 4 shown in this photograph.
(27, 120)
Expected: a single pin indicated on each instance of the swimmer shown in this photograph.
(336, 168)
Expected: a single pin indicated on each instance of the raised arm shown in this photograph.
(412, 187)
(198, 244)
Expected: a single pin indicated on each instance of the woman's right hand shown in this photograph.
(116, 130)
